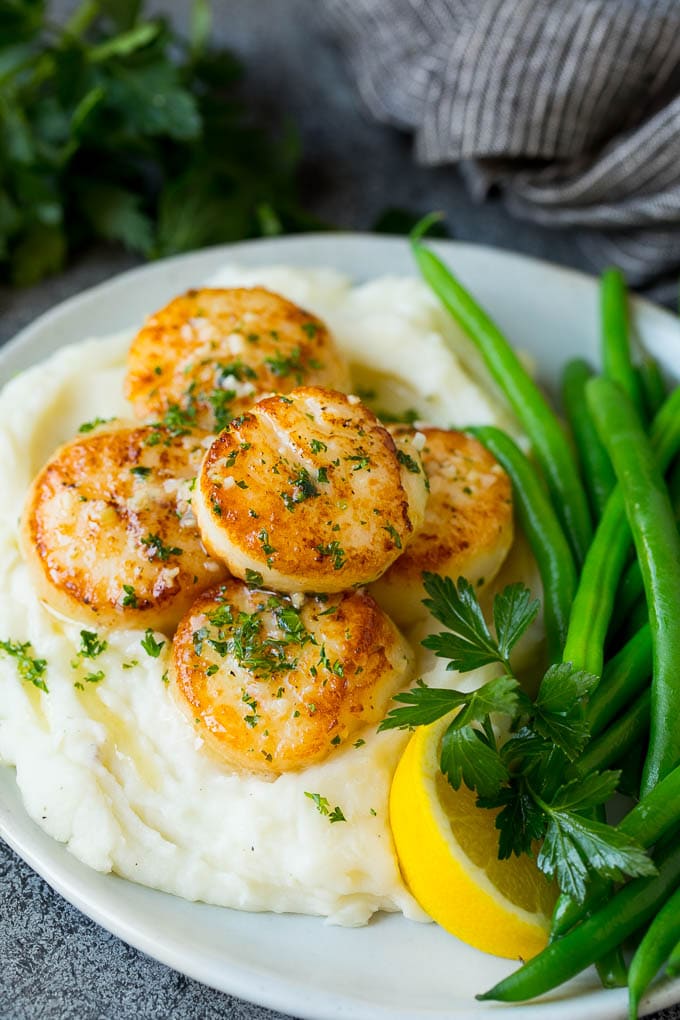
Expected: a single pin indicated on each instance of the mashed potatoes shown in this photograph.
(105, 761)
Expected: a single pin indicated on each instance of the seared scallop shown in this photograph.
(468, 527)
(274, 683)
(108, 531)
(211, 352)
(310, 492)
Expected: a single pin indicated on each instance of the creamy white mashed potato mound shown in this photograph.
(114, 770)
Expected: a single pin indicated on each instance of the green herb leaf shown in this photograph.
(91, 645)
(150, 645)
(467, 757)
(559, 709)
(90, 426)
(513, 611)
(324, 808)
(521, 822)
(574, 847)
(29, 667)
(469, 643)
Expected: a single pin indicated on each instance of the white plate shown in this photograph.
(392, 968)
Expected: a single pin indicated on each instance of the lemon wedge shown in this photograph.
(448, 854)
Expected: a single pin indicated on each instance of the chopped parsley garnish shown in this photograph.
(157, 548)
(90, 426)
(254, 577)
(282, 365)
(239, 370)
(179, 421)
(359, 743)
(150, 645)
(394, 534)
(29, 668)
(335, 551)
(140, 472)
(409, 463)
(316, 446)
(310, 328)
(221, 401)
(94, 678)
(303, 488)
(322, 476)
(242, 636)
(407, 417)
(267, 548)
(130, 596)
(91, 645)
(324, 808)
(361, 461)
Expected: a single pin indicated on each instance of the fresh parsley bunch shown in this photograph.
(112, 127)
(533, 773)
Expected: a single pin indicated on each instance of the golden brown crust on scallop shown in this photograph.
(108, 532)
(211, 352)
(271, 688)
(468, 527)
(310, 491)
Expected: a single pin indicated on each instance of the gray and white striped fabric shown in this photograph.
(570, 107)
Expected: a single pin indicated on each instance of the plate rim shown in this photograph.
(284, 997)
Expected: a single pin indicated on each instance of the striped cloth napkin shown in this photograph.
(570, 107)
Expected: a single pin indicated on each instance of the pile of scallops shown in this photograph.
(263, 517)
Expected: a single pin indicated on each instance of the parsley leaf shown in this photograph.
(575, 846)
(467, 757)
(468, 643)
(150, 645)
(158, 549)
(91, 645)
(425, 704)
(513, 611)
(28, 666)
(559, 709)
(324, 808)
(90, 426)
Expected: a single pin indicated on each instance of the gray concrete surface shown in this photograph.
(56, 964)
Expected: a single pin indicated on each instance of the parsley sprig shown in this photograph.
(116, 128)
(532, 775)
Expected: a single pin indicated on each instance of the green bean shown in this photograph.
(651, 520)
(606, 929)
(673, 965)
(597, 589)
(615, 341)
(631, 590)
(651, 385)
(543, 531)
(657, 943)
(632, 587)
(595, 467)
(639, 616)
(623, 733)
(624, 676)
(548, 441)
(650, 820)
